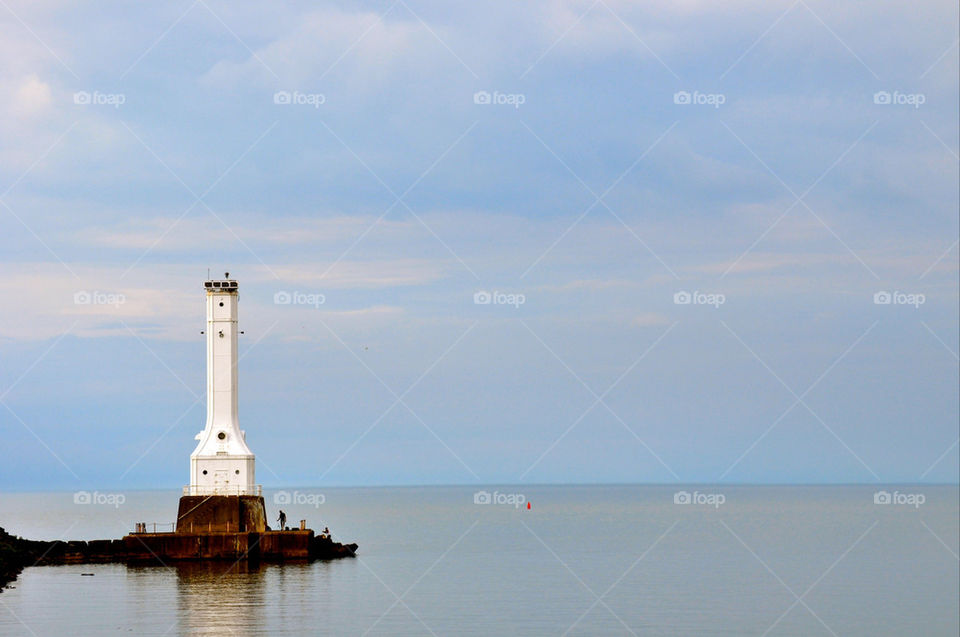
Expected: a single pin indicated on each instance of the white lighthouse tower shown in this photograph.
(222, 464)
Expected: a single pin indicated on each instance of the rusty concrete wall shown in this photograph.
(253, 514)
(221, 514)
(286, 545)
(163, 547)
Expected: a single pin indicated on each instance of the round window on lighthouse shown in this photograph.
(222, 436)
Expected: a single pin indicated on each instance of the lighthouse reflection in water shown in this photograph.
(223, 598)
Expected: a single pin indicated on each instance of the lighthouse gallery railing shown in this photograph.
(204, 489)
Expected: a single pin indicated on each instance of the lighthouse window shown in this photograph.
(221, 303)
(222, 436)
(237, 472)
(204, 472)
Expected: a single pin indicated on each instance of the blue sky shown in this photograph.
(787, 161)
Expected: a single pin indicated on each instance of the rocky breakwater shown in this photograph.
(16, 553)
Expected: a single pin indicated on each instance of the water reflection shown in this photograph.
(220, 598)
(223, 598)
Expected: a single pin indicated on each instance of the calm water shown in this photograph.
(582, 560)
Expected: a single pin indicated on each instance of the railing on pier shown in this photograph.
(201, 527)
(154, 527)
(205, 489)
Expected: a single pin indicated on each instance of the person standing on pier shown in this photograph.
(282, 520)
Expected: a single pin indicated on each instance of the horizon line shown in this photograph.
(518, 484)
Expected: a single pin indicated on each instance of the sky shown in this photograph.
(568, 241)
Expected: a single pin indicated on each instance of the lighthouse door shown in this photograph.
(221, 480)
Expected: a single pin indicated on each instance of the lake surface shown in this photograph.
(583, 560)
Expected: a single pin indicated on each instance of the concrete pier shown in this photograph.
(170, 548)
(269, 546)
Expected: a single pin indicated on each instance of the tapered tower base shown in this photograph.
(221, 514)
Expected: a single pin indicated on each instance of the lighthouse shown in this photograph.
(222, 463)
(222, 514)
